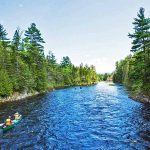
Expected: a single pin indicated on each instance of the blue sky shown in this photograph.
(88, 31)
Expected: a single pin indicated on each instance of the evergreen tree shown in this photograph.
(5, 83)
(16, 46)
(66, 62)
(37, 63)
(23, 66)
(17, 40)
(51, 58)
(3, 34)
(75, 75)
(34, 39)
(4, 41)
(105, 77)
(141, 45)
(141, 32)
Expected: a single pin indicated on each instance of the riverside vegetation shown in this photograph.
(24, 67)
(134, 70)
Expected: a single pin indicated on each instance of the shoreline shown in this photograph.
(18, 96)
(140, 98)
(21, 96)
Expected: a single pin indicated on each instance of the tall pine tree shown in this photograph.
(141, 45)
(35, 49)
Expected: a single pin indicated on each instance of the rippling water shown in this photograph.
(99, 117)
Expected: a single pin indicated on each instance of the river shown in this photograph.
(98, 117)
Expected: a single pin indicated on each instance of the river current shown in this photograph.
(98, 117)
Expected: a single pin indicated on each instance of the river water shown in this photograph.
(99, 117)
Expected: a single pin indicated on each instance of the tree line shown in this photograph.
(134, 70)
(25, 67)
(105, 77)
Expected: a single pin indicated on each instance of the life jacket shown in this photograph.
(8, 122)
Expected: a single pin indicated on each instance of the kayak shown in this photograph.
(6, 128)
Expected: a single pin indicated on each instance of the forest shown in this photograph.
(25, 67)
(134, 70)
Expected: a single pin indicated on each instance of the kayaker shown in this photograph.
(17, 116)
(8, 121)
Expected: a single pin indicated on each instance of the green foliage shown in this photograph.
(51, 59)
(24, 67)
(3, 34)
(16, 41)
(33, 37)
(26, 79)
(34, 47)
(5, 84)
(134, 70)
(141, 32)
(136, 86)
(66, 62)
(105, 77)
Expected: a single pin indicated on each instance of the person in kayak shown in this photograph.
(17, 116)
(8, 121)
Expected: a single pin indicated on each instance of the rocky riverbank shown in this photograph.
(17, 96)
(20, 96)
(140, 97)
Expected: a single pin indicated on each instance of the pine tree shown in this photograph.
(3, 34)
(33, 37)
(141, 32)
(16, 46)
(6, 87)
(51, 59)
(141, 44)
(37, 63)
(17, 40)
(66, 62)
(4, 42)
(66, 67)
(75, 75)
